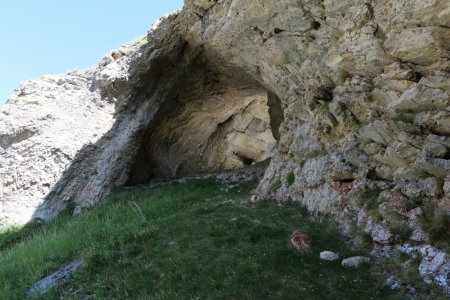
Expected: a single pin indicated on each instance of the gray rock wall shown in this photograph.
(73, 138)
(365, 94)
(364, 116)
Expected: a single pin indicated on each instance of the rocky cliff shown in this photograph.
(350, 99)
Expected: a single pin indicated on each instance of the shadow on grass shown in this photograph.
(15, 234)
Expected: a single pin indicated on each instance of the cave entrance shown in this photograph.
(214, 123)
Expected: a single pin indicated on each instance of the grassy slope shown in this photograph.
(197, 240)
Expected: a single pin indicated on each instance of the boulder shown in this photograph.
(55, 278)
(301, 241)
(355, 261)
(328, 256)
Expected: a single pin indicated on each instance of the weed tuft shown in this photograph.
(324, 107)
(274, 187)
(290, 178)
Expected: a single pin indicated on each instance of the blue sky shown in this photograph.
(40, 37)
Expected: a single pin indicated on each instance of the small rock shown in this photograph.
(443, 277)
(117, 54)
(393, 283)
(329, 256)
(428, 280)
(381, 234)
(301, 241)
(355, 261)
(408, 249)
(432, 260)
(418, 235)
(54, 279)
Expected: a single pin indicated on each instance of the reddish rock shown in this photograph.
(381, 234)
(398, 206)
(343, 188)
(301, 241)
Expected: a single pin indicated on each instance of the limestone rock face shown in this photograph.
(72, 138)
(41, 130)
(350, 99)
(213, 125)
(365, 99)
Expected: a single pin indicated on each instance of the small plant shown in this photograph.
(274, 187)
(140, 42)
(438, 227)
(375, 214)
(404, 268)
(370, 200)
(368, 197)
(395, 217)
(436, 223)
(324, 107)
(405, 117)
(364, 240)
(401, 231)
(143, 46)
(342, 76)
(315, 153)
(410, 270)
(290, 178)
(412, 203)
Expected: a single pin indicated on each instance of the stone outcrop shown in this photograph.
(41, 130)
(350, 99)
(94, 131)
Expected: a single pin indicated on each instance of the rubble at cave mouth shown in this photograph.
(214, 123)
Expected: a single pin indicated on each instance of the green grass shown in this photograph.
(435, 222)
(437, 225)
(404, 267)
(290, 178)
(370, 200)
(10, 236)
(405, 117)
(197, 240)
(398, 226)
(324, 107)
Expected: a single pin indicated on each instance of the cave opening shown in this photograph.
(245, 160)
(214, 122)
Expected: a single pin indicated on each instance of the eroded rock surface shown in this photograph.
(213, 125)
(362, 114)
(41, 130)
(73, 138)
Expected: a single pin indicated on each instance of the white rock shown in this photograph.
(430, 264)
(355, 261)
(329, 256)
(54, 279)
